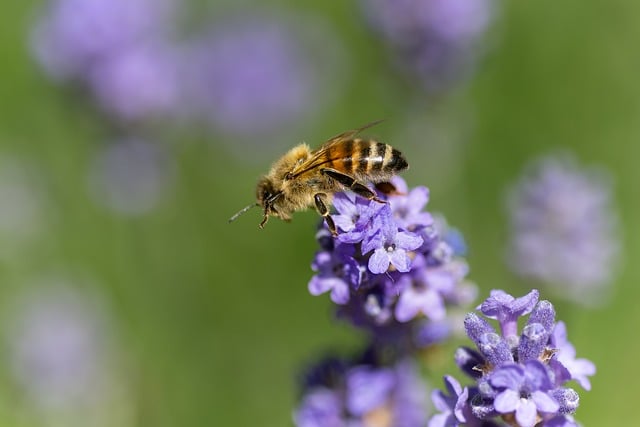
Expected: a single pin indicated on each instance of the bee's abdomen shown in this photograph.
(363, 157)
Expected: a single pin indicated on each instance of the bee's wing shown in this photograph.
(319, 158)
(349, 134)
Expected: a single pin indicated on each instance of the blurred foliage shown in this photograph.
(213, 321)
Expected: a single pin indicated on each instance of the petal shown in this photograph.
(407, 240)
(318, 286)
(580, 369)
(371, 241)
(379, 261)
(507, 401)
(408, 305)
(340, 293)
(453, 386)
(400, 260)
(440, 280)
(537, 375)
(344, 222)
(345, 204)
(509, 376)
(544, 402)
(526, 414)
(440, 401)
(418, 198)
(400, 184)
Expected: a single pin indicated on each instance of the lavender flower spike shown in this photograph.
(389, 269)
(520, 381)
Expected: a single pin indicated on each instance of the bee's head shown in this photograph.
(266, 196)
(264, 192)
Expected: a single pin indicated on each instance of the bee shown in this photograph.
(303, 178)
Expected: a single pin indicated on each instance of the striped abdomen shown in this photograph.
(365, 158)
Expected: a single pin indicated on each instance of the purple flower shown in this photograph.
(426, 290)
(408, 206)
(362, 392)
(319, 408)
(523, 390)
(387, 279)
(336, 271)
(520, 377)
(416, 299)
(580, 369)
(392, 249)
(356, 217)
(451, 406)
(563, 228)
(367, 388)
(435, 41)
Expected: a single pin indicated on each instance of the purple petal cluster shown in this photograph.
(118, 49)
(389, 269)
(433, 41)
(563, 229)
(363, 392)
(520, 379)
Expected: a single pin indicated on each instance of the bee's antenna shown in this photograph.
(243, 210)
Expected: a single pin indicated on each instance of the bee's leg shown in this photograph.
(352, 184)
(265, 218)
(321, 206)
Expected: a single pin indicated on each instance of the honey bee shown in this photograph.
(303, 178)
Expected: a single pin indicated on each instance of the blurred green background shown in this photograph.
(211, 322)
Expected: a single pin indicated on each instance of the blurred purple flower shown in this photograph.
(73, 37)
(140, 82)
(435, 41)
(563, 229)
(130, 176)
(255, 74)
(363, 393)
(58, 344)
